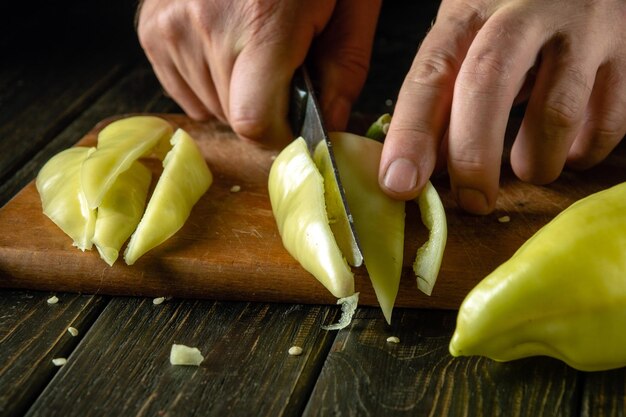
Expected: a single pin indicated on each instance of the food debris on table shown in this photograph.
(52, 300)
(348, 308)
(73, 331)
(185, 355)
(59, 361)
(504, 219)
(235, 188)
(295, 351)
(158, 300)
(393, 339)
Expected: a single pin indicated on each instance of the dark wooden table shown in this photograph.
(63, 68)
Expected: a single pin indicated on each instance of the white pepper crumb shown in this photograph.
(53, 300)
(59, 361)
(73, 331)
(158, 300)
(295, 351)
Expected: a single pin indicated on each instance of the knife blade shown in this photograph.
(306, 121)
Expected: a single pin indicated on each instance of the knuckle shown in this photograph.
(259, 14)
(562, 110)
(253, 127)
(165, 28)
(354, 60)
(485, 73)
(467, 163)
(610, 125)
(436, 68)
(489, 70)
(198, 14)
(564, 105)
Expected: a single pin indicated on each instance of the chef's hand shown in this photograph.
(477, 58)
(234, 59)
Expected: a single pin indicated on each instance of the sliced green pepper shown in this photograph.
(296, 190)
(300, 208)
(185, 178)
(120, 211)
(59, 187)
(119, 145)
(378, 219)
(562, 294)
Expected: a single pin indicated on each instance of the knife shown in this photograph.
(305, 117)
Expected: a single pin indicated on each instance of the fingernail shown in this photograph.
(401, 176)
(473, 201)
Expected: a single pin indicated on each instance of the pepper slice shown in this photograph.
(59, 187)
(119, 145)
(120, 211)
(378, 219)
(300, 208)
(430, 254)
(562, 294)
(185, 178)
(296, 190)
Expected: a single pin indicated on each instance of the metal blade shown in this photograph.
(306, 121)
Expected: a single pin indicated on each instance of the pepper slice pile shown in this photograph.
(562, 294)
(98, 195)
(296, 189)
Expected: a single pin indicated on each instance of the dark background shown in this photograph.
(43, 34)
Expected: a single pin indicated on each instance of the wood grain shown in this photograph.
(32, 333)
(137, 91)
(604, 394)
(246, 371)
(364, 375)
(230, 249)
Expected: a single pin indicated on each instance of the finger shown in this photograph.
(342, 57)
(177, 88)
(193, 66)
(196, 73)
(259, 94)
(605, 125)
(423, 106)
(219, 64)
(555, 111)
(489, 80)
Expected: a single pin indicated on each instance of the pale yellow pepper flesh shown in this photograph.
(120, 185)
(430, 255)
(300, 202)
(119, 145)
(562, 294)
(121, 210)
(296, 191)
(378, 219)
(59, 186)
(185, 178)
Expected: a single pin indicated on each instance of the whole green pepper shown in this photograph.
(562, 294)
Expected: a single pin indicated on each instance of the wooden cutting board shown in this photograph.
(230, 249)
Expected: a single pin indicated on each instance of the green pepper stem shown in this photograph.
(378, 129)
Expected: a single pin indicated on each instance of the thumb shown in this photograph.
(342, 58)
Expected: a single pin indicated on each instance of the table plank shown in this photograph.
(366, 375)
(604, 394)
(138, 91)
(32, 333)
(66, 81)
(122, 366)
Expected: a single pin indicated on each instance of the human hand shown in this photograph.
(235, 59)
(478, 56)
